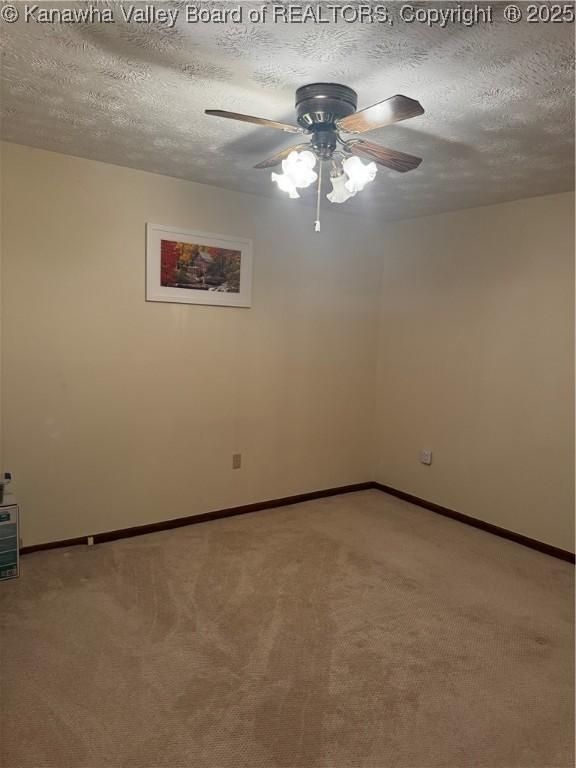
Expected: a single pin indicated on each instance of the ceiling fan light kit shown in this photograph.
(323, 112)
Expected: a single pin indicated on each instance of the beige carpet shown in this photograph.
(351, 632)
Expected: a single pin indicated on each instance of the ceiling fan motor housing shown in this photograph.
(320, 105)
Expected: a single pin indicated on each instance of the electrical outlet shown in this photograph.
(426, 457)
(236, 460)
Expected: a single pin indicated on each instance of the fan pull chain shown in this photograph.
(317, 222)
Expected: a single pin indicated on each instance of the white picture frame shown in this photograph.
(194, 267)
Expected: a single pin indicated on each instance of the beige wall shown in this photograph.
(120, 412)
(476, 363)
(2, 468)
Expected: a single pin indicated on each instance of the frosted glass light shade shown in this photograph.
(285, 183)
(339, 192)
(358, 174)
(298, 166)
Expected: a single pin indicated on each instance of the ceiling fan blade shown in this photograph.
(258, 120)
(390, 158)
(386, 112)
(279, 156)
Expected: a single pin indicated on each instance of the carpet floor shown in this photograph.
(357, 631)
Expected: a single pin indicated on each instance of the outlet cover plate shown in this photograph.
(426, 457)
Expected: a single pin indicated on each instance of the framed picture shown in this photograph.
(189, 267)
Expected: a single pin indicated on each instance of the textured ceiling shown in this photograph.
(499, 100)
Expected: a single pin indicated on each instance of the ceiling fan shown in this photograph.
(324, 111)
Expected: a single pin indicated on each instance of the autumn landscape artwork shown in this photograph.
(199, 267)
